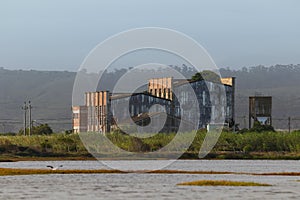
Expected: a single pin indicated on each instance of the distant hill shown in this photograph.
(50, 93)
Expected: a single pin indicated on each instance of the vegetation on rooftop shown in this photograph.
(207, 75)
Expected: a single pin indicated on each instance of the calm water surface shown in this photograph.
(150, 186)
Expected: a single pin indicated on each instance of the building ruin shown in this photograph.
(104, 111)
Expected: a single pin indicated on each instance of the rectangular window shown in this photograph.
(75, 115)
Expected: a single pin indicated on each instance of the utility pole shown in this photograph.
(30, 121)
(289, 124)
(25, 116)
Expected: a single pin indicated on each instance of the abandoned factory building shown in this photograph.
(104, 111)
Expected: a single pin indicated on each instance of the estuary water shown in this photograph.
(150, 186)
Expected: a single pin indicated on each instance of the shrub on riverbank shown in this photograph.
(235, 143)
(259, 142)
(41, 144)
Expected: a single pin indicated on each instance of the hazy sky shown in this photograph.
(58, 34)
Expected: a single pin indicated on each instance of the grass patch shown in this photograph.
(187, 172)
(18, 171)
(11, 171)
(249, 145)
(278, 174)
(223, 172)
(221, 183)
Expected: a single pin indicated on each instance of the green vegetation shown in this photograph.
(41, 129)
(207, 75)
(221, 183)
(249, 145)
(11, 171)
(259, 142)
(55, 145)
(258, 127)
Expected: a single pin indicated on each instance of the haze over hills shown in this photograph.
(279, 81)
(51, 94)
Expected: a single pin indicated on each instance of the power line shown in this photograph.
(56, 119)
(11, 122)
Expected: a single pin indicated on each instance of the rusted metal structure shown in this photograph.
(260, 109)
(230, 95)
(103, 110)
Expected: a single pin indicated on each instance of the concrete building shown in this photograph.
(79, 119)
(161, 87)
(104, 111)
(98, 111)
